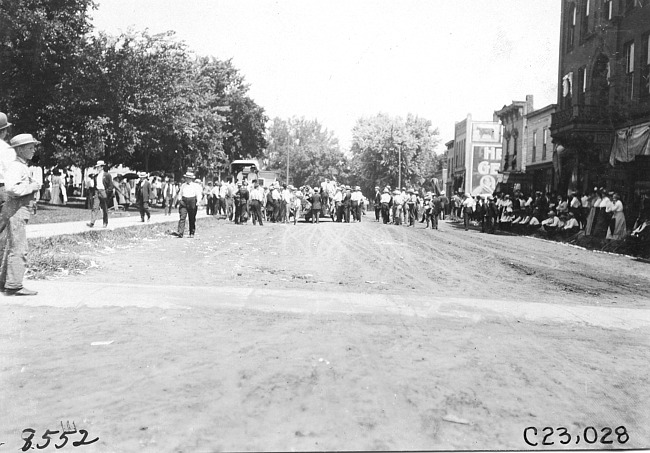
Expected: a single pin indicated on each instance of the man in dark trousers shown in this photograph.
(103, 191)
(256, 200)
(143, 195)
(377, 203)
(436, 208)
(346, 203)
(186, 199)
(491, 213)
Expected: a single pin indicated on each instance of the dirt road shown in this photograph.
(333, 337)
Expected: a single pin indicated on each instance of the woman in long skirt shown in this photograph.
(601, 221)
(594, 203)
(618, 228)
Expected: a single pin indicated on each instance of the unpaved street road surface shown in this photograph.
(333, 337)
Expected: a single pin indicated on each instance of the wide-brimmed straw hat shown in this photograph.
(23, 139)
(142, 174)
(100, 163)
(189, 174)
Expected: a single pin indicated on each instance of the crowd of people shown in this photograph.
(599, 214)
(283, 203)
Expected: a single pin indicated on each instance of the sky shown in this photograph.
(337, 61)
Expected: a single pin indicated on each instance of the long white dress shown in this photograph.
(618, 217)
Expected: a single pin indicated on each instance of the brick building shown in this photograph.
(539, 149)
(513, 119)
(602, 126)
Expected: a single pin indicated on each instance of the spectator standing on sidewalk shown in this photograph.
(104, 188)
(144, 195)
(20, 191)
(187, 198)
(7, 155)
(170, 192)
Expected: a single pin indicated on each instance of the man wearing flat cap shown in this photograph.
(20, 190)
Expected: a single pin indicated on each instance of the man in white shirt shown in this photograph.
(552, 223)
(256, 201)
(355, 199)
(187, 200)
(286, 204)
(20, 190)
(7, 155)
(468, 204)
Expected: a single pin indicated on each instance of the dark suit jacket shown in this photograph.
(143, 192)
(315, 202)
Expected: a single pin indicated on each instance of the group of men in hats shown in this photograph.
(406, 206)
(17, 201)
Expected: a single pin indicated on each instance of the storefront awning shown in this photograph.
(629, 143)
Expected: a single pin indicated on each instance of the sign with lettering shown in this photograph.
(485, 169)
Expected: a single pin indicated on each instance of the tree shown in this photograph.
(314, 153)
(378, 143)
(40, 42)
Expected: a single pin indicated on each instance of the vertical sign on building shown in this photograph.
(486, 157)
(487, 161)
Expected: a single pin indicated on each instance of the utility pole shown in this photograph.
(399, 170)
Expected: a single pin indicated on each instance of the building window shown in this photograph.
(584, 24)
(629, 69)
(544, 142)
(571, 26)
(645, 67)
(534, 146)
(609, 13)
(582, 88)
(567, 90)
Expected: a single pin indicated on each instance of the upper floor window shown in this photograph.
(567, 90)
(629, 69)
(534, 146)
(571, 26)
(645, 66)
(608, 11)
(582, 88)
(584, 24)
(544, 142)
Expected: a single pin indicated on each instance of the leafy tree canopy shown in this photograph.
(378, 142)
(314, 153)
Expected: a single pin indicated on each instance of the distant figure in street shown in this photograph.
(315, 206)
(143, 195)
(20, 190)
(256, 200)
(186, 199)
(169, 195)
(468, 205)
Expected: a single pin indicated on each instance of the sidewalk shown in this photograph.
(58, 229)
(70, 294)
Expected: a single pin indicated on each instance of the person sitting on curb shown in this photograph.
(552, 223)
(20, 189)
(571, 226)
